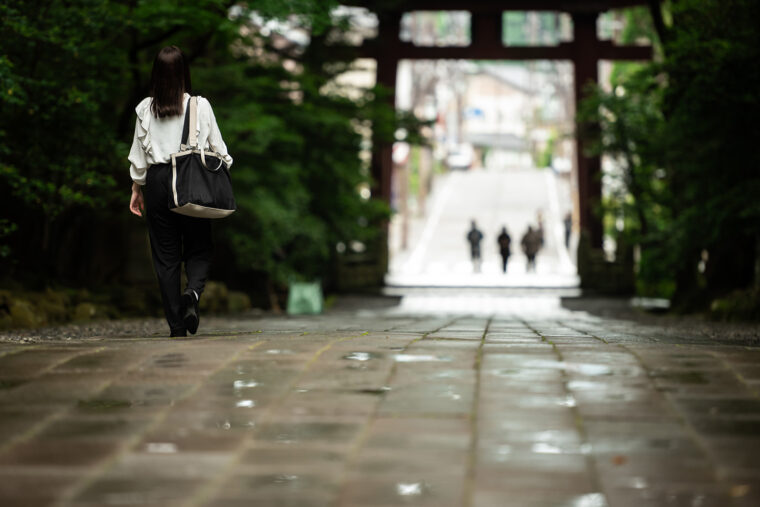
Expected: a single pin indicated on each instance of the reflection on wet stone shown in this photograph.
(447, 418)
(361, 356)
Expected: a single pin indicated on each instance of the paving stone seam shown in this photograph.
(101, 468)
(209, 490)
(680, 416)
(70, 358)
(755, 391)
(363, 434)
(468, 491)
(591, 461)
(728, 485)
(422, 319)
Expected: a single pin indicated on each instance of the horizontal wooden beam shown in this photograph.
(605, 50)
(502, 5)
(609, 51)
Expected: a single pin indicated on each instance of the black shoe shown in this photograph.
(190, 311)
(177, 333)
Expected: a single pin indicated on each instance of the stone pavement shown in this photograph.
(382, 409)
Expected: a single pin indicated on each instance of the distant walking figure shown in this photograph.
(505, 249)
(474, 237)
(531, 243)
(568, 223)
(174, 238)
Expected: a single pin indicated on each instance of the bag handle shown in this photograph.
(190, 136)
(203, 161)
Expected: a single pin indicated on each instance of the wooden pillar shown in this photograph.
(387, 65)
(585, 60)
(485, 29)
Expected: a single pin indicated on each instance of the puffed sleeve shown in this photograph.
(208, 126)
(137, 157)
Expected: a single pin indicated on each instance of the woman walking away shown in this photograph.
(174, 238)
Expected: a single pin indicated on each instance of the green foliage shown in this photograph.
(684, 134)
(71, 74)
(545, 156)
(52, 84)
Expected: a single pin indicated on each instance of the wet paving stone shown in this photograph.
(384, 410)
(156, 490)
(27, 486)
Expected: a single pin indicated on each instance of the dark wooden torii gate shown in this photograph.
(584, 51)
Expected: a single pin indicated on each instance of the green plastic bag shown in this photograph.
(305, 298)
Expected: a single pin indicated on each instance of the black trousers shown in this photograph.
(175, 238)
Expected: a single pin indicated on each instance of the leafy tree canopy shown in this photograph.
(71, 74)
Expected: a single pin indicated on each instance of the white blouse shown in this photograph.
(157, 138)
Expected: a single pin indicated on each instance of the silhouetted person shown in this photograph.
(531, 244)
(505, 249)
(474, 237)
(568, 223)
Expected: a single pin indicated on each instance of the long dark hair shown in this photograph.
(169, 81)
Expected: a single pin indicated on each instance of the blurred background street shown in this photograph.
(438, 253)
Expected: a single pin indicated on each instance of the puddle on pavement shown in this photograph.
(281, 480)
(161, 447)
(411, 489)
(103, 404)
(10, 384)
(245, 404)
(450, 394)
(227, 424)
(589, 369)
(549, 436)
(378, 391)
(284, 478)
(544, 448)
(661, 443)
(449, 374)
(568, 448)
(244, 384)
(508, 372)
(504, 450)
(173, 360)
(420, 358)
(621, 396)
(585, 385)
(682, 377)
(361, 356)
(285, 439)
(588, 500)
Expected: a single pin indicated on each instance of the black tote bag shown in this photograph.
(200, 180)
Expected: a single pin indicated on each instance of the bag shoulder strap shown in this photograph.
(190, 136)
